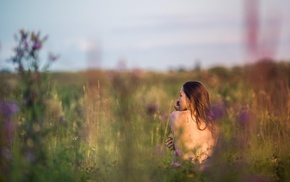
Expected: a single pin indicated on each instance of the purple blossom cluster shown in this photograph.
(8, 109)
(244, 116)
(175, 164)
(28, 49)
(177, 152)
(217, 111)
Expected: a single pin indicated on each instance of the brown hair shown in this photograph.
(199, 105)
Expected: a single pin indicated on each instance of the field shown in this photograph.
(111, 126)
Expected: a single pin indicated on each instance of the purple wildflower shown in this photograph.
(244, 116)
(8, 109)
(177, 152)
(36, 46)
(26, 43)
(175, 164)
(217, 111)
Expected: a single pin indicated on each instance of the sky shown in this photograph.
(152, 34)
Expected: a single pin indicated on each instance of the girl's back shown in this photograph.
(190, 142)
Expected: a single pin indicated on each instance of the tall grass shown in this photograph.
(111, 126)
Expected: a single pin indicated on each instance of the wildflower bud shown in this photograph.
(175, 164)
(25, 43)
(36, 46)
(9, 109)
(177, 152)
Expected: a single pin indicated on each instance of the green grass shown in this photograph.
(111, 126)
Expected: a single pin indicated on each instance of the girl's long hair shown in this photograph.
(199, 105)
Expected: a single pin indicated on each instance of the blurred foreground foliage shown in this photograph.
(111, 126)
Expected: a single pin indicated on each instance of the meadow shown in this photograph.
(102, 125)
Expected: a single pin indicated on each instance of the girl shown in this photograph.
(191, 125)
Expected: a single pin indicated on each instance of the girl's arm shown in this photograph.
(170, 140)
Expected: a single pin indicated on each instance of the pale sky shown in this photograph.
(149, 34)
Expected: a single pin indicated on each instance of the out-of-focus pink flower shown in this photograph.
(244, 116)
(36, 45)
(26, 43)
(177, 152)
(217, 111)
(8, 109)
(175, 164)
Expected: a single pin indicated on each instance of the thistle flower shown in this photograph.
(26, 44)
(36, 45)
(177, 152)
(8, 109)
(244, 116)
(175, 164)
(217, 111)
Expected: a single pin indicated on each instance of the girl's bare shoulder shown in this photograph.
(178, 115)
